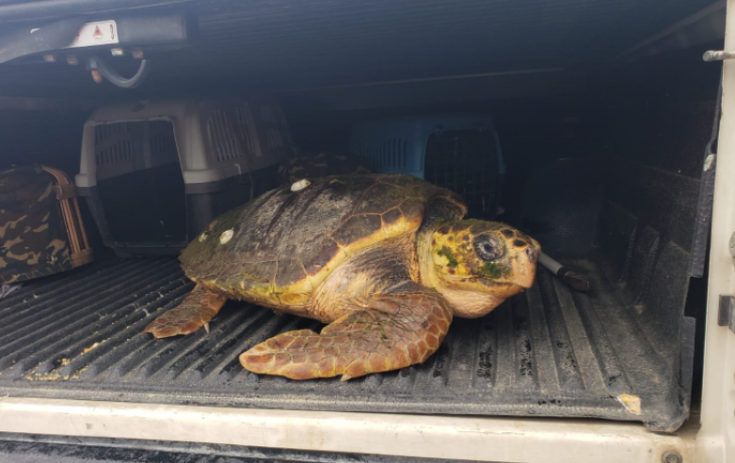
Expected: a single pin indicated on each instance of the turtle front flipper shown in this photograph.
(397, 330)
(195, 311)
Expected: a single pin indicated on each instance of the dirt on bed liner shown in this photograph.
(546, 352)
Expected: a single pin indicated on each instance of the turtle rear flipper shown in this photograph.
(195, 311)
(398, 330)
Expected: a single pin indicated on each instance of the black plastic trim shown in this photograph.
(703, 219)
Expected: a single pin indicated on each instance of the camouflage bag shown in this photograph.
(40, 224)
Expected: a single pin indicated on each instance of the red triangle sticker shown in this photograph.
(97, 32)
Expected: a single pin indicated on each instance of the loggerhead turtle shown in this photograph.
(385, 260)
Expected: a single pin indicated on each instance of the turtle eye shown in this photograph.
(488, 247)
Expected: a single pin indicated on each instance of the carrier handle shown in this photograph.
(66, 194)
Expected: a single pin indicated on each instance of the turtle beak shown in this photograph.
(525, 270)
(533, 254)
(528, 273)
(526, 281)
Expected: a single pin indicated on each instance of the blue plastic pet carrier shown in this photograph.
(458, 152)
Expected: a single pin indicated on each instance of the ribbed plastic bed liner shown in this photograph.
(546, 352)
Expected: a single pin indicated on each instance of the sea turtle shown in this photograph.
(312, 165)
(384, 259)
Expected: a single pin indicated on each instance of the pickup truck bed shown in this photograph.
(549, 351)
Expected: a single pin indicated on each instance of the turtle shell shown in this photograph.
(276, 249)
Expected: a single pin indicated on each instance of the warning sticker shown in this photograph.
(96, 33)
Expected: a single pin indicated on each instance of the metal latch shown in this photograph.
(717, 55)
(726, 314)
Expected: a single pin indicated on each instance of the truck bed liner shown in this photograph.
(546, 352)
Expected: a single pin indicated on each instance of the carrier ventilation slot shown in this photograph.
(223, 142)
(391, 155)
(466, 162)
(275, 140)
(274, 122)
(162, 141)
(113, 145)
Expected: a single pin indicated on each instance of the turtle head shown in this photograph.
(476, 264)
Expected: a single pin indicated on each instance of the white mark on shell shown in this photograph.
(300, 185)
(226, 236)
(202, 237)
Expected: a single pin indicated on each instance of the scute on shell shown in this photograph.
(278, 247)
